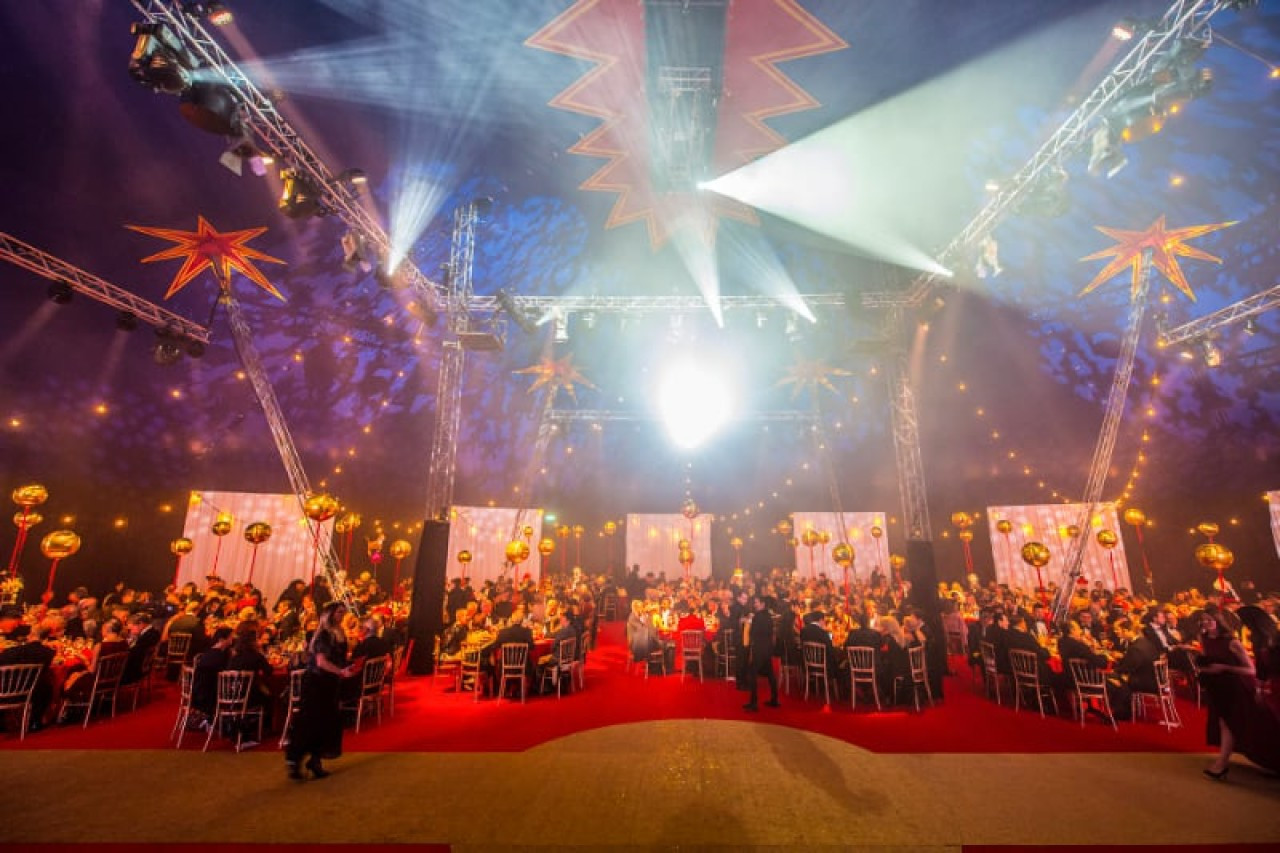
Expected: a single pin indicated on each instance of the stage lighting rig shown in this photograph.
(167, 349)
(516, 313)
(159, 59)
(299, 198)
(60, 293)
(126, 321)
(213, 11)
(1106, 155)
(243, 151)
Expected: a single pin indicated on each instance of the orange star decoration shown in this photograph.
(206, 248)
(1165, 246)
(557, 374)
(812, 375)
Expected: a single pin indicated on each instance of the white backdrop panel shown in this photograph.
(485, 532)
(868, 552)
(652, 544)
(1047, 523)
(1273, 499)
(285, 556)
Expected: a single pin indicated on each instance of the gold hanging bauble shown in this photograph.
(824, 537)
(1005, 526)
(257, 533)
(320, 507)
(1107, 539)
(1135, 516)
(784, 527)
(961, 520)
(563, 531)
(464, 557)
(965, 535)
(517, 552)
(1207, 528)
(181, 546)
(1073, 530)
(792, 542)
(686, 556)
(876, 531)
(843, 555)
(32, 494)
(610, 528)
(526, 531)
(897, 561)
(1036, 554)
(60, 544)
(25, 520)
(546, 547)
(689, 510)
(399, 549)
(735, 543)
(221, 525)
(810, 538)
(578, 530)
(1214, 556)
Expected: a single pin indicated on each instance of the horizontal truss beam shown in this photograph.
(1199, 328)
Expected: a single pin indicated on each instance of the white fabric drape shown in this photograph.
(1047, 524)
(652, 541)
(868, 551)
(1273, 500)
(287, 555)
(486, 532)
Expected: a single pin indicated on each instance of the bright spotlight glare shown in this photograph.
(694, 402)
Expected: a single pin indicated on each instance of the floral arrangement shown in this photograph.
(10, 589)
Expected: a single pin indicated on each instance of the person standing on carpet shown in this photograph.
(760, 654)
(317, 728)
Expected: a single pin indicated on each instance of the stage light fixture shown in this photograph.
(167, 348)
(126, 321)
(1187, 354)
(159, 59)
(589, 320)
(1124, 30)
(1106, 155)
(194, 348)
(1212, 354)
(60, 292)
(560, 325)
(355, 256)
(212, 107)
(988, 263)
(353, 178)
(243, 151)
(792, 327)
(514, 311)
(219, 14)
(1251, 326)
(298, 197)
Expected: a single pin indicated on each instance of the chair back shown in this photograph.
(1161, 667)
(295, 687)
(691, 643)
(815, 656)
(185, 679)
(17, 681)
(567, 652)
(233, 688)
(862, 662)
(1025, 666)
(915, 656)
(110, 669)
(373, 674)
(515, 657)
(1088, 679)
(179, 646)
(989, 658)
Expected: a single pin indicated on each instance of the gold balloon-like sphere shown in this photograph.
(32, 494)
(610, 528)
(735, 543)
(689, 510)
(517, 551)
(1073, 530)
(547, 547)
(1036, 554)
(810, 538)
(784, 527)
(320, 507)
(792, 542)
(221, 525)
(843, 555)
(60, 544)
(1211, 555)
(257, 533)
(563, 531)
(683, 545)
(1005, 526)
(1226, 558)
(1107, 539)
(876, 531)
(464, 557)
(897, 561)
(27, 520)
(965, 535)
(181, 546)
(686, 556)
(824, 537)
(1207, 528)
(527, 530)
(961, 519)
(400, 549)
(578, 530)
(1135, 516)
(348, 522)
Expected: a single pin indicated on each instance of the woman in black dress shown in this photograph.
(317, 727)
(1238, 722)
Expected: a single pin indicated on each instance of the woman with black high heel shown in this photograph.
(1238, 722)
(317, 727)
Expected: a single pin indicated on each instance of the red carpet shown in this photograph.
(224, 847)
(429, 718)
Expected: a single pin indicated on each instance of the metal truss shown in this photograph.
(55, 269)
(276, 136)
(565, 416)
(443, 462)
(905, 424)
(1201, 327)
(297, 475)
(546, 429)
(1182, 19)
(1106, 445)
(650, 304)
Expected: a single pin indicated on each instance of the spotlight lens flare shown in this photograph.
(694, 401)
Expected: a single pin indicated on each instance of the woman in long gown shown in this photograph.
(317, 727)
(1238, 721)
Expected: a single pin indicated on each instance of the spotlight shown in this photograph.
(299, 197)
(483, 206)
(589, 320)
(241, 152)
(988, 265)
(508, 304)
(792, 328)
(195, 348)
(560, 326)
(159, 60)
(1212, 355)
(389, 279)
(1106, 155)
(213, 11)
(1251, 326)
(126, 321)
(1124, 30)
(354, 254)
(167, 349)
(1187, 354)
(213, 108)
(60, 292)
(353, 178)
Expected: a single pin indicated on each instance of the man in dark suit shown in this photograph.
(1137, 667)
(516, 632)
(457, 599)
(997, 635)
(204, 680)
(144, 636)
(1167, 640)
(1071, 646)
(1019, 637)
(35, 651)
(815, 631)
(760, 654)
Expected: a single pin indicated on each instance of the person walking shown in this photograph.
(760, 654)
(317, 728)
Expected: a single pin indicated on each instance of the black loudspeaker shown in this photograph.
(426, 610)
(922, 571)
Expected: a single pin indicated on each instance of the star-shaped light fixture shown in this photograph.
(556, 374)
(207, 248)
(1164, 245)
(811, 375)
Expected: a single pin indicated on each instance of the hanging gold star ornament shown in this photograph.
(811, 375)
(207, 248)
(1165, 247)
(556, 374)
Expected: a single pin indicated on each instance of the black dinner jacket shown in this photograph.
(1139, 664)
(1069, 649)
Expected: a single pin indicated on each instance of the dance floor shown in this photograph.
(656, 763)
